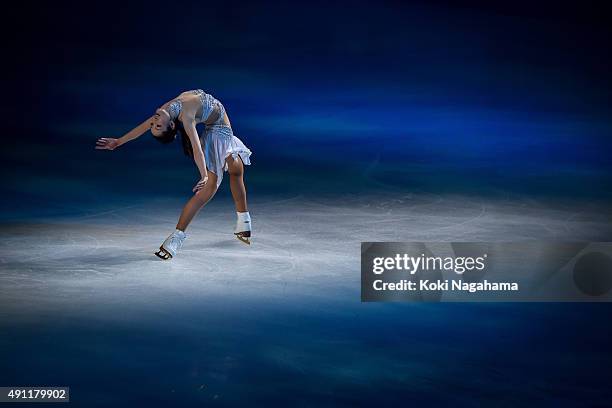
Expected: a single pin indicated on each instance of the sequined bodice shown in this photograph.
(209, 103)
(174, 108)
(202, 96)
(200, 93)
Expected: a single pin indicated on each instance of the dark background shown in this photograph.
(475, 98)
(504, 98)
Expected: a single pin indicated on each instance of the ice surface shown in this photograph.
(281, 318)
(301, 245)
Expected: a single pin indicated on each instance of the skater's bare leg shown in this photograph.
(235, 169)
(198, 201)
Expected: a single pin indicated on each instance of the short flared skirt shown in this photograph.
(219, 142)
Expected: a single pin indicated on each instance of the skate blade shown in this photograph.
(242, 238)
(163, 254)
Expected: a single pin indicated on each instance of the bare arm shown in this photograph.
(136, 132)
(198, 154)
(105, 143)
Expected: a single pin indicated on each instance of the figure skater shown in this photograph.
(222, 152)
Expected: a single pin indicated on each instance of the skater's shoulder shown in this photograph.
(173, 107)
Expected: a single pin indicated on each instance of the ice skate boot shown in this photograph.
(171, 245)
(243, 227)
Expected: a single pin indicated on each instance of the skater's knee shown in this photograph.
(235, 172)
(207, 192)
(203, 196)
(234, 166)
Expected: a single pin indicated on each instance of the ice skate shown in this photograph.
(171, 245)
(243, 228)
(244, 236)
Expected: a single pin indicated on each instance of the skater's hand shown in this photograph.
(200, 185)
(107, 143)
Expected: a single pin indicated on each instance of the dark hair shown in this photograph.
(171, 133)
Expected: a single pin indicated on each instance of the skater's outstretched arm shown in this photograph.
(198, 154)
(107, 143)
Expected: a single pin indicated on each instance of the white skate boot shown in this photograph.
(171, 245)
(243, 227)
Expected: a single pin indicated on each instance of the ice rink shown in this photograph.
(281, 318)
(301, 246)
